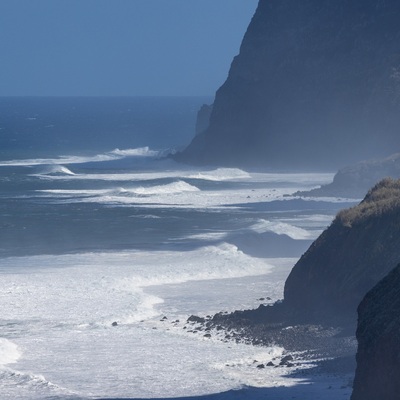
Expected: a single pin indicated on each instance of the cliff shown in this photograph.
(353, 181)
(316, 85)
(359, 248)
(378, 334)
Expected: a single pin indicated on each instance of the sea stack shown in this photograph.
(316, 85)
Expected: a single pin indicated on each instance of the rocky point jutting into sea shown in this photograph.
(322, 293)
(355, 252)
(316, 85)
(354, 180)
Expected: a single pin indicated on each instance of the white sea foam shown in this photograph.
(104, 277)
(217, 175)
(123, 195)
(66, 305)
(112, 155)
(26, 385)
(171, 188)
(282, 228)
(177, 194)
(139, 152)
(9, 352)
(56, 169)
(221, 174)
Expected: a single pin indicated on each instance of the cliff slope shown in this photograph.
(378, 334)
(316, 84)
(359, 248)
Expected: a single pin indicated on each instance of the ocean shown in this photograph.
(108, 246)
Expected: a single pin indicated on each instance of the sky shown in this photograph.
(119, 47)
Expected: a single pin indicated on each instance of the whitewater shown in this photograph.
(104, 255)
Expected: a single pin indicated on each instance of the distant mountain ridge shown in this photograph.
(316, 85)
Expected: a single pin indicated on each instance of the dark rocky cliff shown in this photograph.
(316, 84)
(359, 248)
(378, 334)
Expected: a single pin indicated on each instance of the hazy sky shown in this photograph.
(119, 47)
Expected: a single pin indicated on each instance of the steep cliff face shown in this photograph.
(378, 335)
(360, 247)
(316, 84)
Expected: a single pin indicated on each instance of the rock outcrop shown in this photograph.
(353, 181)
(316, 85)
(359, 248)
(378, 334)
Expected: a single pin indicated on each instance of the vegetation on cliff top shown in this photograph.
(383, 198)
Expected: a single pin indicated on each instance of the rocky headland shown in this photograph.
(359, 248)
(318, 314)
(316, 85)
(325, 287)
(353, 181)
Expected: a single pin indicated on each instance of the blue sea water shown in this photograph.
(98, 227)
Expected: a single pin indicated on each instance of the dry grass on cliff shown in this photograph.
(383, 198)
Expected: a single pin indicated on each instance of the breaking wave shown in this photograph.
(9, 352)
(115, 154)
(220, 174)
(281, 228)
(139, 152)
(55, 169)
(170, 188)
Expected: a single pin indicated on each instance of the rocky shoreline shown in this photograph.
(308, 349)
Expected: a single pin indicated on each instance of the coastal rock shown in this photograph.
(270, 364)
(378, 334)
(286, 360)
(316, 84)
(196, 319)
(359, 248)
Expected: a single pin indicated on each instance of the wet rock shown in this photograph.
(196, 319)
(286, 360)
